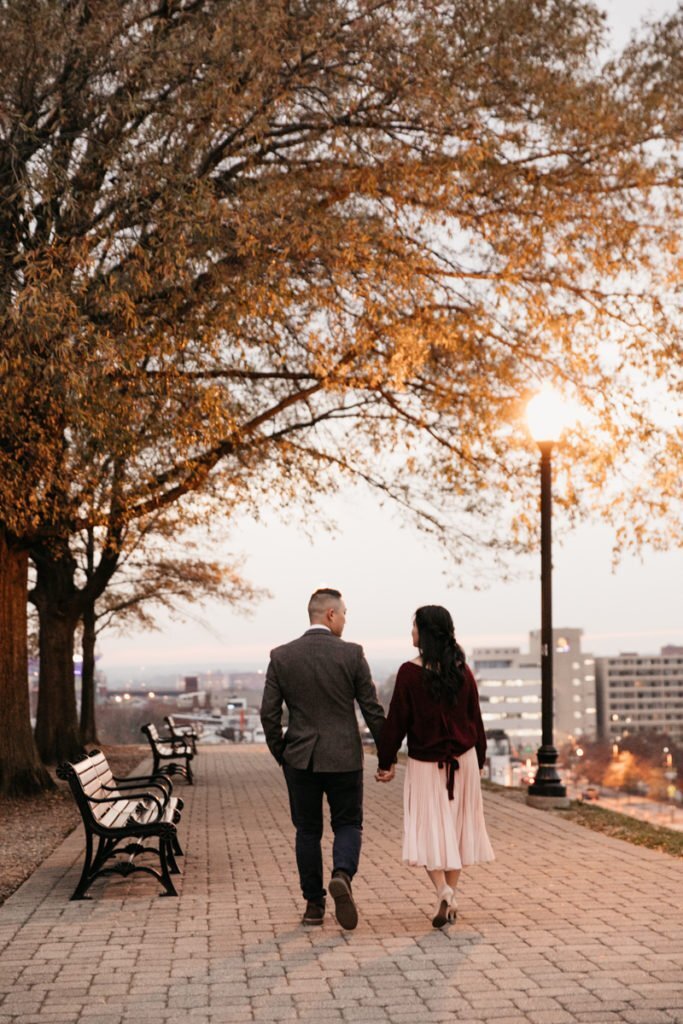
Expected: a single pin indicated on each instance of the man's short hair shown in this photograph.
(321, 600)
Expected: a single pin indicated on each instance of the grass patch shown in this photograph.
(623, 826)
(610, 823)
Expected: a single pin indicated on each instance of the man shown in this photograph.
(320, 677)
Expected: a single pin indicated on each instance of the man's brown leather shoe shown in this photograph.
(344, 907)
(314, 912)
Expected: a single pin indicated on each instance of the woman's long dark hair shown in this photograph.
(443, 659)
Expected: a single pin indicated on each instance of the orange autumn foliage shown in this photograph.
(249, 247)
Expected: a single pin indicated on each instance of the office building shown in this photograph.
(509, 683)
(574, 685)
(640, 693)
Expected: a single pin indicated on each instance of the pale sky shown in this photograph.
(386, 571)
(624, 15)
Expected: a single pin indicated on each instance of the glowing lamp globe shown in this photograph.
(547, 415)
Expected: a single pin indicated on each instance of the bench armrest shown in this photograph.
(130, 793)
(156, 777)
(123, 799)
(179, 746)
(157, 781)
(170, 738)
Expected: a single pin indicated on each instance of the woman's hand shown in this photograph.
(385, 775)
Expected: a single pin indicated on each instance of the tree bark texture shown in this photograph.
(61, 604)
(21, 773)
(88, 722)
(57, 730)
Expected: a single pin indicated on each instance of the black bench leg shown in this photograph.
(85, 879)
(104, 848)
(172, 863)
(190, 778)
(177, 849)
(166, 880)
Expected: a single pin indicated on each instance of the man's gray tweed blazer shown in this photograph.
(319, 677)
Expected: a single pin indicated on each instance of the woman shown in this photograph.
(436, 703)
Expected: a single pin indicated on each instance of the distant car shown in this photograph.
(590, 793)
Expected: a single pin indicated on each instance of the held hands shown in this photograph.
(385, 775)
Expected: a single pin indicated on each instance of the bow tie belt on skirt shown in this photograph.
(451, 765)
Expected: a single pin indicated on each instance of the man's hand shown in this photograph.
(385, 775)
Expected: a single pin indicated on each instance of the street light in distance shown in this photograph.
(547, 416)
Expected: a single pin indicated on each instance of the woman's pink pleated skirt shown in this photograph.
(439, 833)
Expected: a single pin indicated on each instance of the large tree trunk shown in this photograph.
(21, 773)
(61, 604)
(57, 731)
(88, 723)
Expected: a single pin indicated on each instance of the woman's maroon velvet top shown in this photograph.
(436, 731)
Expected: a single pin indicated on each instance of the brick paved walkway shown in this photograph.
(565, 926)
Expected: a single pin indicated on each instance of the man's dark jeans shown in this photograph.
(344, 792)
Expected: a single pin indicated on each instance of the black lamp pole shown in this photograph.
(547, 781)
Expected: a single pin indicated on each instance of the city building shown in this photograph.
(574, 685)
(641, 692)
(509, 683)
(246, 680)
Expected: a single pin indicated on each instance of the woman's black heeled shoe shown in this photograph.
(443, 907)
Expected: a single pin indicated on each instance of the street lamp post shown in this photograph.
(547, 419)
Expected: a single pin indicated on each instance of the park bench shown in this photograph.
(155, 787)
(182, 733)
(128, 818)
(172, 751)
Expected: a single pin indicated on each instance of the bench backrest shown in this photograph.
(152, 732)
(103, 772)
(164, 744)
(88, 779)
